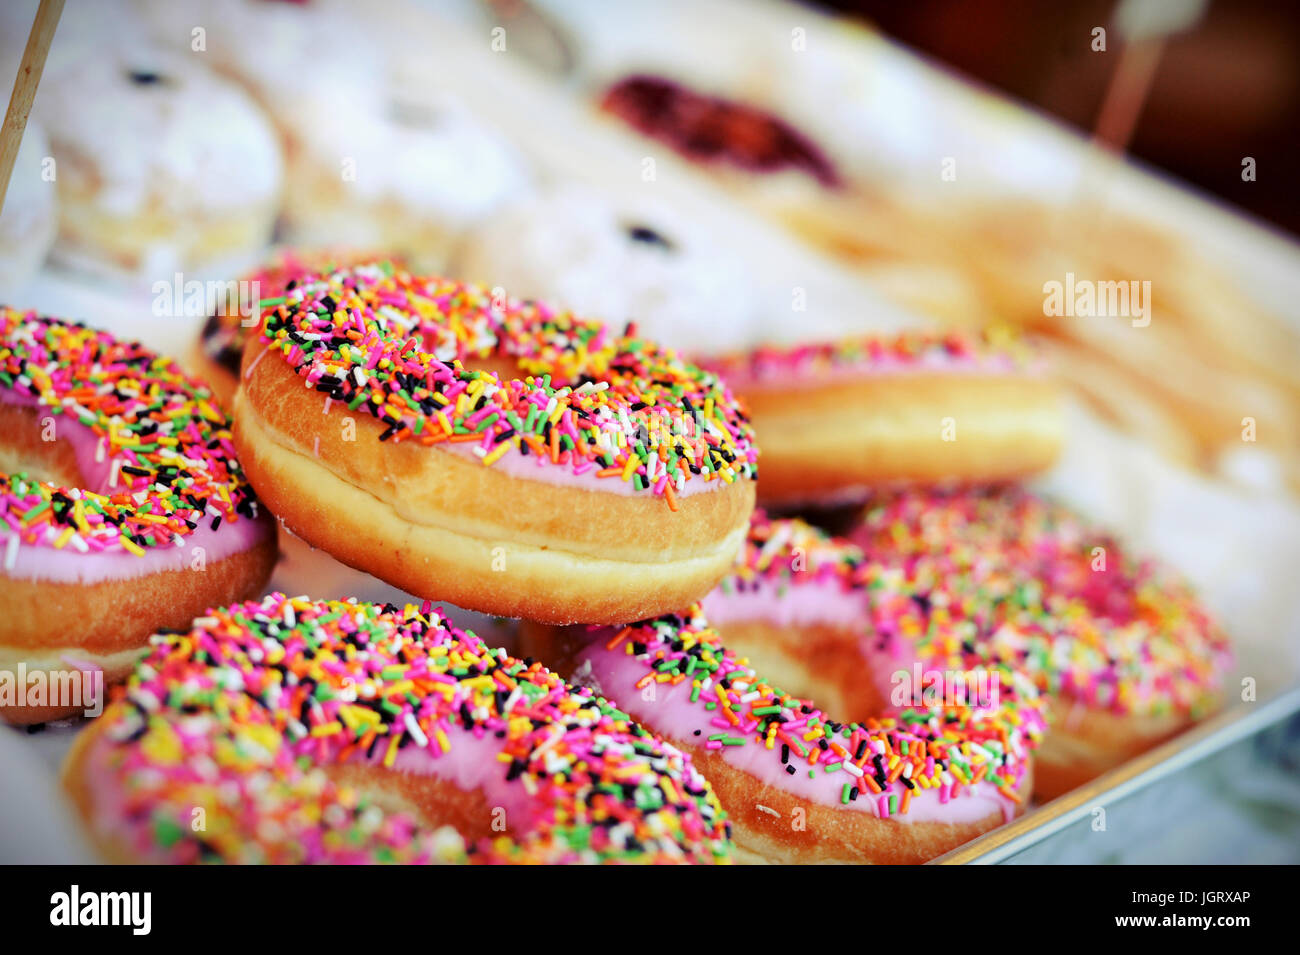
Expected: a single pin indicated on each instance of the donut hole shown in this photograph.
(26, 449)
(434, 802)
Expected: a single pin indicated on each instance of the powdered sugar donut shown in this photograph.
(1121, 646)
(838, 418)
(345, 732)
(161, 164)
(373, 161)
(145, 519)
(628, 261)
(30, 217)
(502, 456)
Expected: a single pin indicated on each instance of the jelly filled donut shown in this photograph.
(837, 419)
(161, 164)
(587, 476)
(1125, 653)
(800, 787)
(334, 731)
(122, 507)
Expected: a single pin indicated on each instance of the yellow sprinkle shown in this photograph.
(327, 729)
(131, 545)
(493, 455)
(632, 462)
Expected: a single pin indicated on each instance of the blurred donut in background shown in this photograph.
(372, 161)
(622, 262)
(160, 163)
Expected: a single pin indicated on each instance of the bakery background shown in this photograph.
(524, 144)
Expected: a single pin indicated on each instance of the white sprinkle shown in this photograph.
(413, 728)
(767, 809)
(112, 474)
(11, 551)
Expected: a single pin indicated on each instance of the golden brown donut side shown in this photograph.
(886, 429)
(445, 526)
(108, 622)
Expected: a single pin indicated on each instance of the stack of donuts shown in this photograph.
(742, 687)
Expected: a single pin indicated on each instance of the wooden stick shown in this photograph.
(25, 83)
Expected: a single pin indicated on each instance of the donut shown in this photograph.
(333, 731)
(836, 419)
(623, 260)
(1119, 645)
(220, 347)
(372, 161)
(571, 474)
(800, 786)
(122, 508)
(30, 217)
(160, 163)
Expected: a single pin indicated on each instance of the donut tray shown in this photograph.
(1247, 759)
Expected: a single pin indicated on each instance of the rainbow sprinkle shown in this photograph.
(886, 759)
(392, 344)
(244, 716)
(161, 436)
(1010, 575)
(993, 349)
(225, 334)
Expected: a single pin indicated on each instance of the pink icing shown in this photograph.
(671, 713)
(42, 561)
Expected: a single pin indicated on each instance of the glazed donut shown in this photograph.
(331, 732)
(220, 348)
(161, 164)
(837, 419)
(122, 507)
(800, 787)
(30, 216)
(1125, 654)
(609, 481)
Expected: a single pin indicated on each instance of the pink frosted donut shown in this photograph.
(1121, 647)
(337, 731)
(837, 419)
(903, 786)
(481, 450)
(122, 510)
